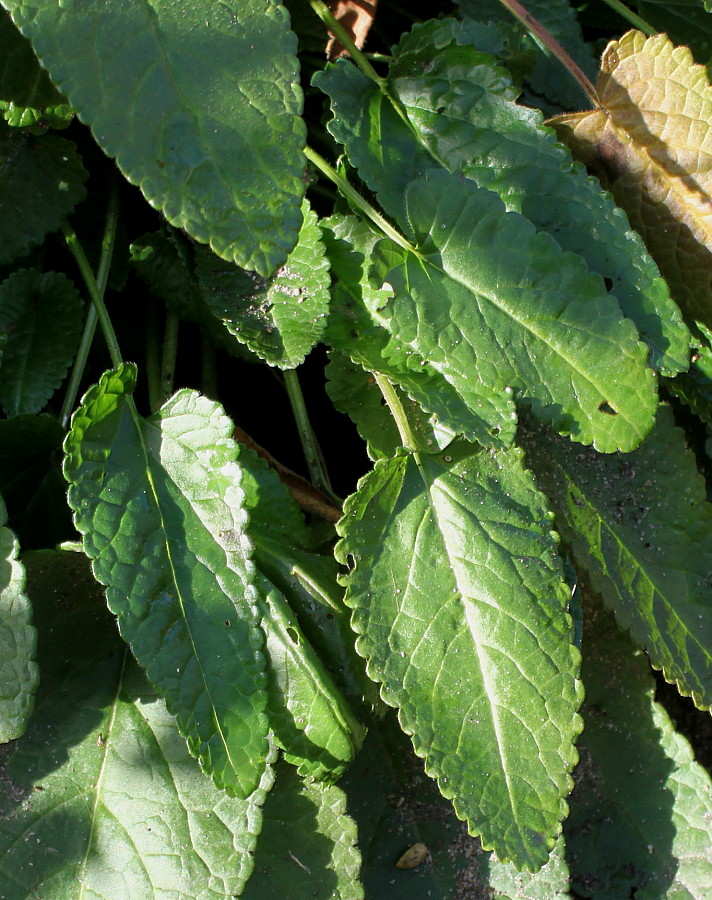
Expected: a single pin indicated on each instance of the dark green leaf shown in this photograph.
(205, 120)
(42, 315)
(454, 566)
(159, 505)
(695, 387)
(27, 96)
(102, 783)
(308, 844)
(641, 809)
(18, 672)
(278, 318)
(41, 181)
(640, 526)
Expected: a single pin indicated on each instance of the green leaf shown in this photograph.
(640, 526)
(551, 882)
(41, 181)
(42, 314)
(31, 481)
(204, 119)
(308, 844)
(27, 97)
(695, 387)
(534, 322)
(454, 566)
(462, 109)
(279, 318)
(159, 505)
(480, 414)
(18, 672)
(102, 779)
(641, 808)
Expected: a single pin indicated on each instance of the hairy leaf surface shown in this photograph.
(159, 505)
(651, 143)
(205, 120)
(535, 322)
(18, 671)
(41, 181)
(279, 318)
(308, 844)
(102, 779)
(454, 566)
(42, 314)
(641, 808)
(641, 527)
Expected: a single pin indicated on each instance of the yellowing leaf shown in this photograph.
(650, 142)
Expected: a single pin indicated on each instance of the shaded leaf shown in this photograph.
(651, 143)
(278, 318)
(205, 120)
(102, 779)
(640, 526)
(18, 671)
(641, 808)
(27, 96)
(535, 322)
(42, 315)
(308, 844)
(41, 181)
(695, 387)
(454, 564)
(160, 509)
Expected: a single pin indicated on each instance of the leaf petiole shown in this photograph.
(312, 454)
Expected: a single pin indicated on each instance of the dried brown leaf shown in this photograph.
(356, 17)
(650, 143)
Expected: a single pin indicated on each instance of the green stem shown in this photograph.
(153, 353)
(358, 201)
(107, 251)
(631, 17)
(312, 455)
(326, 16)
(390, 395)
(170, 352)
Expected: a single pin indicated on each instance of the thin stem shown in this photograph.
(153, 354)
(346, 41)
(537, 29)
(631, 17)
(358, 201)
(170, 352)
(312, 455)
(107, 251)
(392, 399)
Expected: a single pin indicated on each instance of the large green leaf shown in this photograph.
(641, 809)
(308, 844)
(460, 608)
(41, 181)
(474, 410)
(279, 318)
(640, 525)
(100, 797)
(159, 505)
(200, 104)
(18, 671)
(461, 114)
(42, 314)
(535, 321)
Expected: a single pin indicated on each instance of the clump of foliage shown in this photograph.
(525, 350)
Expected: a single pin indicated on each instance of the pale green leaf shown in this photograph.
(41, 181)
(102, 782)
(161, 511)
(278, 318)
(641, 809)
(308, 844)
(534, 322)
(199, 104)
(639, 524)
(18, 671)
(454, 566)
(42, 314)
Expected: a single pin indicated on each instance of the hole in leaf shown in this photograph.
(606, 408)
(292, 632)
(608, 282)
(227, 623)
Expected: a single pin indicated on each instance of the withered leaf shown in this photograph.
(650, 143)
